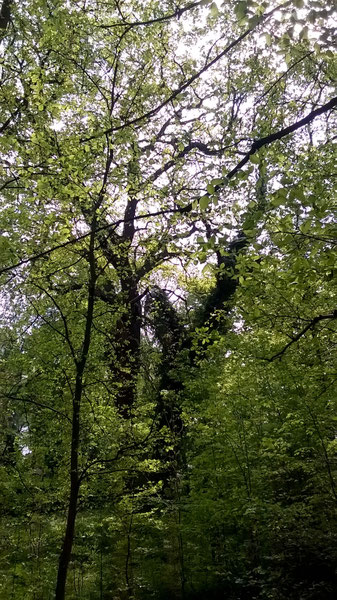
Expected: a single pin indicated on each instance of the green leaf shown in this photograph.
(240, 10)
(278, 197)
(214, 10)
(207, 269)
(254, 158)
(268, 39)
(304, 33)
(306, 226)
(204, 202)
(253, 21)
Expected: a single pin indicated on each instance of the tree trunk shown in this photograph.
(65, 555)
(5, 14)
(75, 479)
(127, 344)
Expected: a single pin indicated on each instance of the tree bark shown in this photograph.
(65, 555)
(5, 14)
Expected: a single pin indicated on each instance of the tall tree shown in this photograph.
(132, 136)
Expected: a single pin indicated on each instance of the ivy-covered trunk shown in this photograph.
(125, 366)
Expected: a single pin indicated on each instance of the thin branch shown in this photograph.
(191, 80)
(39, 404)
(66, 334)
(283, 75)
(181, 88)
(7, 123)
(178, 13)
(72, 241)
(120, 452)
(310, 236)
(301, 333)
(203, 148)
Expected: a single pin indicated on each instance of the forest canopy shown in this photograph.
(168, 301)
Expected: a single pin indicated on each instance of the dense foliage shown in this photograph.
(168, 300)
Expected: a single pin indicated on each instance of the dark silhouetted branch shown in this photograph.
(301, 333)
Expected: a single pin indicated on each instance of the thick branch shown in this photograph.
(278, 135)
(268, 139)
(65, 554)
